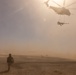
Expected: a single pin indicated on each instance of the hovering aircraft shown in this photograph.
(61, 23)
(61, 10)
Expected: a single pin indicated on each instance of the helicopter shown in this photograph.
(61, 23)
(61, 10)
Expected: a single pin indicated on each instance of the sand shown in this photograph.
(38, 66)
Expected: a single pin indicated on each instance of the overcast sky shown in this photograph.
(30, 27)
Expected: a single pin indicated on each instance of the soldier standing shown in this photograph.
(10, 61)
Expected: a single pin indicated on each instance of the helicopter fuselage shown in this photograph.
(61, 23)
(61, 10)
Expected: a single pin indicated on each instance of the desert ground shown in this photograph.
(38, 66)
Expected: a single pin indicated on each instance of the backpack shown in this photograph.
(10, 60)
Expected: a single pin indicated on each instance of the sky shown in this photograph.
(29, 27)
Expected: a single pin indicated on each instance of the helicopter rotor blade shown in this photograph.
(72, 8)
(57, 3)
(71, 4)
(64, 3)
(47, 1)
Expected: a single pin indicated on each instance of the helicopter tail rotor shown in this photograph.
(47, 3)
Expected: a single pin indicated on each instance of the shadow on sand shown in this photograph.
(6, 71)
